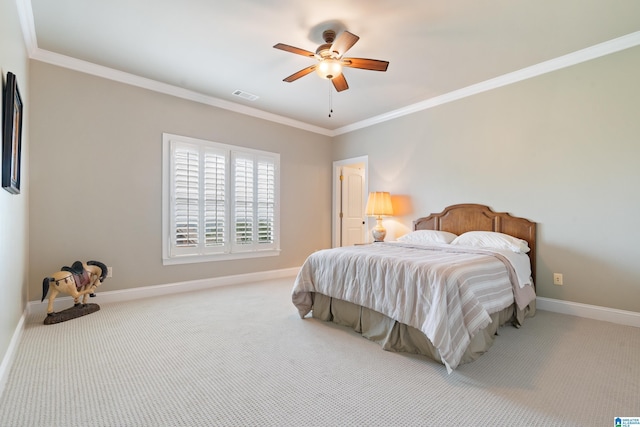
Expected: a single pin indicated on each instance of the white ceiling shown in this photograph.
(207, 49)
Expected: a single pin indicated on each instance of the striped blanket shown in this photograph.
(446, 293)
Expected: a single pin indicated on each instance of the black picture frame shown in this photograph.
(11, 135)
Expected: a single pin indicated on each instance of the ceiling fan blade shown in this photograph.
(365, 64)
(343, 43)
(294, 49)
(340, 83)
(301, 73)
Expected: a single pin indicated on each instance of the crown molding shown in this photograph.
(156, 86)
(602, 49)
(583, 55)
(25, 15)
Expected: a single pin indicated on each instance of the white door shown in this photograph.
(352, 201)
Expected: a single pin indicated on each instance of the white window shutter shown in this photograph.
(185, 224)
(215, 197)
(243, 199)
(266, 201)
(219, 202)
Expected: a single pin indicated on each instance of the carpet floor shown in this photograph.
(241, 356)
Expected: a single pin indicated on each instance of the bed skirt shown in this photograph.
(398, 337)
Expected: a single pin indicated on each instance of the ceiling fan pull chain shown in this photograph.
(330, 101)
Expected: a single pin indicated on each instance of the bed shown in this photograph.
(441, 291)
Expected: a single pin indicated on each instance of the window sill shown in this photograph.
(191, 259)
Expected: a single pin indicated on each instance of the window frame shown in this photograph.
(230, 249)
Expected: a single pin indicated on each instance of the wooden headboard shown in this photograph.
(459, 219)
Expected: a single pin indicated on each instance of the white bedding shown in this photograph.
(447, 293)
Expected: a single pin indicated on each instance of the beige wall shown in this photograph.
(96, 179)
(14, 208)
(562, 149)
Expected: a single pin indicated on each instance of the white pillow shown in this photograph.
(427, 236)
(492, 240)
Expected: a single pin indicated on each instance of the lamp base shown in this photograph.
(379, 232)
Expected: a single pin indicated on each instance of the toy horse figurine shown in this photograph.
(81, 279)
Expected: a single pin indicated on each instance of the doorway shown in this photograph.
(350, 189)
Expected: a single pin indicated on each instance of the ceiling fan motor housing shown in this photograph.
(324, 51)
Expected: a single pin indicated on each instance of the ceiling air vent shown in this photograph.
(245, 95)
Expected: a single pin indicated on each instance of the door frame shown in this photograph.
(336, 199)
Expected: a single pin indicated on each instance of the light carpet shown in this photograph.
(241, 356)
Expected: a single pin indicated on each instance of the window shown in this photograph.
(220, 201)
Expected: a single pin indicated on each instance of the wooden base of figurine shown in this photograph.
(71, 313)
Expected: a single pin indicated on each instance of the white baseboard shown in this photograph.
(622, 317)
(132, 294)
(170, 288)
(10, 355)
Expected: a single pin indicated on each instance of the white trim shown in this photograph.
(25, 15)
(228, 250)
(133, 294)
(28, 29)
(10, 355)
(194, 259)
(145, 83)
(166, 289)
(605, 314)
(622, 317)
(583, 55)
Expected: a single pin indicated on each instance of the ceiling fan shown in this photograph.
(330, 57)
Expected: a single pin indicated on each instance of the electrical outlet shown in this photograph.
(109, 271)
(557, 279)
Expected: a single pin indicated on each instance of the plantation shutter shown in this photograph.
(266, 201)
(219, 202)
(185, 227)
(199, 219)
(243, 199)
(254, 201)
(215, 199)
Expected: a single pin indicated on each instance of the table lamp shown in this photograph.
(379, 205)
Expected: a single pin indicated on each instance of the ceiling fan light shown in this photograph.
(329, 68)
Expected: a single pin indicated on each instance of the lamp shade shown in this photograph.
(379, 204)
